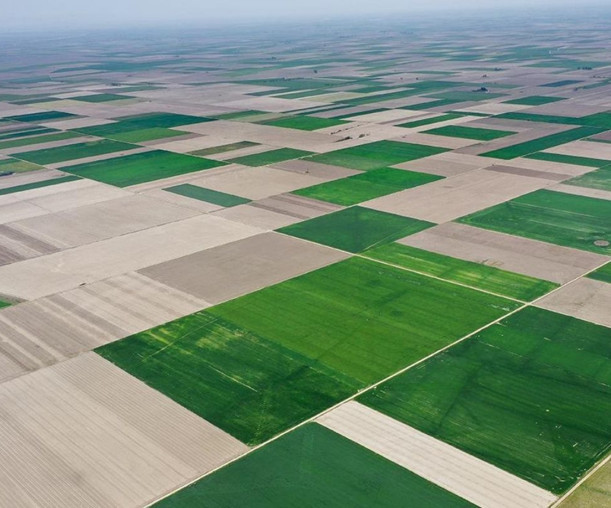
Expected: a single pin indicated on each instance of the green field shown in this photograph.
(476, 275)
(603, 274)
(428, 121)
(565, 82)
(141, 167)
(534, 100)
(534, 392)
(598, 179)
(356, 229)
(537, 145)
(208, 195)
(570, 159)
(36, 140)
(602, 120)
(37, 185)
(15, 166)
(4, 304)
(140, 135)
(230, 147)
(270, 157)
(45, 116)
(554, 217)
(371, 184)
(376, 155)
(74, 151)
(303, 122)
(261, 363)
(313, 466)
(458, 96)
(102, 97)
(22, 133)
(458, 131)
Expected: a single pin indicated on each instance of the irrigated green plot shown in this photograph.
(4, 304)
(141, 167)
(458, 131)
(271, 157)
(45, 116)
(15, 166)
(531, 395)
(303, 122)
(230, 147)
(264, 362)
(356, 229)
(208, 195)
(22, 133)
(428, 121)
(534, 100)
(379, 154)
(372, 184)
(555, 217)
(102, 97)
(37, 185)
(476, 275)
(569, 159)
(603, 273)
(36, 140)
(537, 145)
(597, 179)
(138, 136)
(74, 151)
(313, 466)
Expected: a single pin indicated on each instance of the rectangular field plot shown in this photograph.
(16, 166)
(356, 229)
(35, 140)
(141, 167)
(595, 491)
(141, 135)
(364, 186)
(37, 185)
(533, 392)
(597, 179)
(139, 122)
(376, 155)
(536, 145)
(270, 157)
(208, 195)
(313, 466)
(476, 275)
(303, 122)
(459, 131)
(534, 100)
(564, 219)
(230, 147)
(75, 151)
(261, 363)
(45, 116)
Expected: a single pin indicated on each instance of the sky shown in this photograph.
(62, 14)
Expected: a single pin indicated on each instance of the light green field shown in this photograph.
(476, 275)
(224, 148)
(534, 393)
(271, 157)
(208, 195)
(261, 363)
(36, 140)
(16, 166)
(364, 186)
(313, 466)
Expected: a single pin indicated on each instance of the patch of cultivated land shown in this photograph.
(376, 155)
(303, 122)
(261, 363)
(75, 151)
(533, 391)
(208, 195)
(369, 185)
(141, 167)
(271, 157)
(313, 466)
(564, 219)
(356, 229)
(476, 275)
(459, 131)
(603, 274)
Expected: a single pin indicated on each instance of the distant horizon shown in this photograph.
(63, 18)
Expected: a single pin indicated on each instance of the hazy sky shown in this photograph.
(59, 14)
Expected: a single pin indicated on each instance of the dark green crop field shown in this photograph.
(102, 97)
(536, 145)
(37, 185)
(458, 131)
(208, 195)
(74, 151)
(141, 167)
(303, 122)
(570, 159)
(22, 133)
(140, 135)
(476, 275)
(45, 116)
(535, 100)
(555, 217)
(356, 229)
(603, 274)
(261, 363)
(376, 155)
(534, 392)
(230, 147)
(36, 140)
(313, 466)
(371, 184)
(428, 121)
(270, 157)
